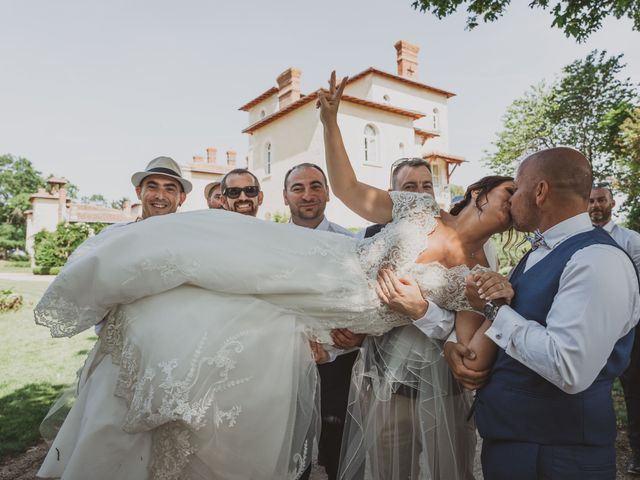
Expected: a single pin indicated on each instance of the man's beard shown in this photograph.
(599, 216)
(308, 214)
(252, 211)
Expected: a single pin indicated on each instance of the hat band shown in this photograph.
(168, 171)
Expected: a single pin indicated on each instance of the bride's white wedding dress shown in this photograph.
(202, 368)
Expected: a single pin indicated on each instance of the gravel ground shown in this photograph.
(25, 466)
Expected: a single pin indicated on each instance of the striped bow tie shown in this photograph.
(537, 240)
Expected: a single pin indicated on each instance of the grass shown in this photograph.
(34, 369)
(14, 267)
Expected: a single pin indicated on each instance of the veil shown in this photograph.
(406, 416)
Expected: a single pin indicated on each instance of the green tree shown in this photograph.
(627, 165)
(18, 180)
(576, 18)
(584, 108)
(95, 199)
(119, 204)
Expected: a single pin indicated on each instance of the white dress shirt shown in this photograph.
(597, 303)
(629, 240)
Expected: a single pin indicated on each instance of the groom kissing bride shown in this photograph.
(202, 368)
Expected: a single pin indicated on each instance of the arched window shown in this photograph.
(386, 98)
(370, 144)
(262, 114)
(401, 149)
(436, 119)
(267, 158)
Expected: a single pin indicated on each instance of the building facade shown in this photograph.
(382, 117)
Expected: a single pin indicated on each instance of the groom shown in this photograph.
(547, 410)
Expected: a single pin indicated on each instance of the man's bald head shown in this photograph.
(566, 170)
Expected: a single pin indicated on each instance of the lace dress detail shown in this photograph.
(400, 243)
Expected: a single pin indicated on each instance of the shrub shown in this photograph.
(21, 264)
(52, 249)
(54, 270)
(18, 256)
(10, 301)
(37, 270)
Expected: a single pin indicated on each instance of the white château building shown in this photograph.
(382, 116)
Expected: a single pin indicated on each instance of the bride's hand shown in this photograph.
(492, 286)
(328, 103)
(401, 295)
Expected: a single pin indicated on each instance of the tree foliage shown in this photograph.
(585, 108)
(627, 167)
(18, 180)
(571, 111)
(576, 18)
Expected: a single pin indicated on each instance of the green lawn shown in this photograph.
(14, 267)
(34, 369)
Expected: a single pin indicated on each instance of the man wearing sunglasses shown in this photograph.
(241, 192)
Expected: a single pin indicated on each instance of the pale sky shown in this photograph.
(92, 90)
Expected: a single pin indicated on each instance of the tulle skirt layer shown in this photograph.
(407, 415)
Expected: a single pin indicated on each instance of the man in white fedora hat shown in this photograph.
(213, 195)
(160, 187)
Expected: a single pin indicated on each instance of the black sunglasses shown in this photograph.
(234, 192)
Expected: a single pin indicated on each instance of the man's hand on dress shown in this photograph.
(455, 353)
(345, 338)
(320, 355)
(401, 295)
(484, 287)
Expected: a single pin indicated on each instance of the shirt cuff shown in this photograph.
(505, 324)
(335, 352)
(437, 322)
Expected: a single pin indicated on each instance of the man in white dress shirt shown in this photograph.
(306, 193)
(601, 203)
(567, 333)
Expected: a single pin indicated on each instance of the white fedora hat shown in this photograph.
(162, 166)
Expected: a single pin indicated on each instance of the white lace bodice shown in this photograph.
(399, 244)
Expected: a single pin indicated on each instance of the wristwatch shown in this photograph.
(491, 310)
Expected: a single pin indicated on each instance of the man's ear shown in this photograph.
(284, 195)
(260, 197)
(183, 197)
(139, 192)
(542, 192)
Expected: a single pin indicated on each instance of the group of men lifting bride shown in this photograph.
(540, 348)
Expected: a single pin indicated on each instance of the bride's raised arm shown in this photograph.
(371, 203)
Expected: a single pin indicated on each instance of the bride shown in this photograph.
(203, 369)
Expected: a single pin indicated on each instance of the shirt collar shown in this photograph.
(567, 228)
(609, 226)
(324, 225)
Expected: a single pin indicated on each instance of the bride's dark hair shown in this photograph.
(484, 185)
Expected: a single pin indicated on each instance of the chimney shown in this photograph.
(197, 159)
(407, 57)
(231, 158)
(289, 86)
(211, 155)
(126, 207)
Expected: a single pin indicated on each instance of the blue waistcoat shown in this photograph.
(518, 404)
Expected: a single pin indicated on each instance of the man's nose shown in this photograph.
(243, 196)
